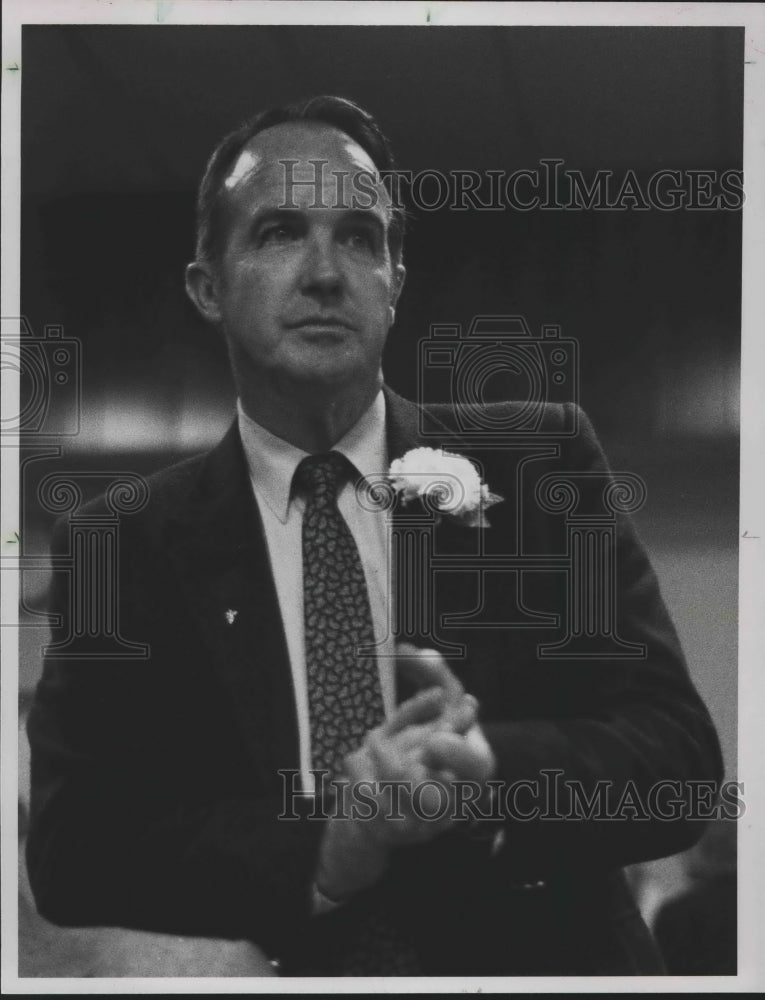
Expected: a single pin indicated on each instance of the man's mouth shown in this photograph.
(322, 324)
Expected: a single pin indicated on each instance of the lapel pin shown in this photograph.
(231, 616)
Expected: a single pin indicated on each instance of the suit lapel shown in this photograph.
(220, 551)
(410, 426)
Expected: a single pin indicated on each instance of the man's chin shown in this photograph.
(322, 371)
(318, 385)
(310, 373)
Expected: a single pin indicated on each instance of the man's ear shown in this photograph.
(202, 289)
(399, 276)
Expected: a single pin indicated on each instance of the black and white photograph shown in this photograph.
(381, 549)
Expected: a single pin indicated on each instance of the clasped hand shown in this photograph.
(413, 759)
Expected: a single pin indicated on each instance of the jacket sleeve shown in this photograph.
(144, 811)
(618, 756)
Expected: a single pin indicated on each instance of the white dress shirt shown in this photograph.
(272, 463)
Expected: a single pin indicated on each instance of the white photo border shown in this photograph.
(751, 927)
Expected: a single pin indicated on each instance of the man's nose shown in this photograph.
(322, 270)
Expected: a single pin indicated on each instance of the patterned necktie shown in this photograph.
(344, 694)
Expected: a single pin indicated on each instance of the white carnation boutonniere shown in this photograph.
(448, 484)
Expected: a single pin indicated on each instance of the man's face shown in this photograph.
(305, 292)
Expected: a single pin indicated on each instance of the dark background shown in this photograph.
(117, 124)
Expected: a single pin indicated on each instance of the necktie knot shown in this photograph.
(319, 477)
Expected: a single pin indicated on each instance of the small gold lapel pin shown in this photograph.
(231, 616)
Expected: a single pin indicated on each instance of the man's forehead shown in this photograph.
(301, 154)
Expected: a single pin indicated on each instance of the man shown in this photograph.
(162, 789)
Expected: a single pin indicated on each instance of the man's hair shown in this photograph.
(337, 112)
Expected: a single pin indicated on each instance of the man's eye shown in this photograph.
(361, 239)
(281, 233)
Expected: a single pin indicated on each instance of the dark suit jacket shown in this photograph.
(155, 786)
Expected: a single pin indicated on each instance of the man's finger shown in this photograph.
(412, 738)
(423, 707)
(426, 668)
(469, 760)
(460, 717)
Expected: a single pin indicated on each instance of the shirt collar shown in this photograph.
(272, 461)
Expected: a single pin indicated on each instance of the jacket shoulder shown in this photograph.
(511, 417)
(149, 499)
(161, 488)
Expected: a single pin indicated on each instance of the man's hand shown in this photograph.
(388, 765)
(431, 737)
(452, 751)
